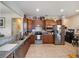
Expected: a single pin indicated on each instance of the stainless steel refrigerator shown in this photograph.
(59, 33)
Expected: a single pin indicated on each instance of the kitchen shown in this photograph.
(47, 38)
(21, 32)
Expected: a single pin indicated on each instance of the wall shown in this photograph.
(72, 22)
(7, 30)
(75, 21)
(8, 14)
(17, 26)
(66, 22)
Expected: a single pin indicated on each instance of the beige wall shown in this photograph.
(17, 25)
(72, 22)
(66, 22)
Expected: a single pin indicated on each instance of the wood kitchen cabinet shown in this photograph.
(49, 23)
(32, 39)
(22, 50)
(48, 39)
(59, 22)
(29, 24)
(38, 22)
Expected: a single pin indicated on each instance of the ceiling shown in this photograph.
(47, 8)
(4, 10)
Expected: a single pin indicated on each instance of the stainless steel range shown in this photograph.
(38, 34)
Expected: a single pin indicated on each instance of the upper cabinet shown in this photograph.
(38, 22)
(59, 22)
(30, 24)
(46, 24)
(49, 23)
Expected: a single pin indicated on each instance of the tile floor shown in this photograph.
(50, 51)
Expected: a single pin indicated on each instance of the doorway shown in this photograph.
(17, 26)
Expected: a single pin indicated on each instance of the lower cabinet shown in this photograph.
(32, 39)
(48, 39)
(21, 51)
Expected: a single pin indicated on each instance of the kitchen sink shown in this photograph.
(7, 47)
(12, 42)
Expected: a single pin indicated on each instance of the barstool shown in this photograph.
(75, 42)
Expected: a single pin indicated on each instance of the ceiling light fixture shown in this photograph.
(61, 10)
(37, 10)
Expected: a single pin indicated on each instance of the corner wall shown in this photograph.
(74, 22)
(7, 30)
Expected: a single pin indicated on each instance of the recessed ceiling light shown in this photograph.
(76, 10)
(37, 9)
(61, 10)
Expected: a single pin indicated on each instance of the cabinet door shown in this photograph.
(50, 23)
(32, 39)
(19, 53)
(30, 24)
(22, 50)
(59, 22)
(45, 39)
(48, 39)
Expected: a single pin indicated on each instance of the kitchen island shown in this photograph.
(17, 49)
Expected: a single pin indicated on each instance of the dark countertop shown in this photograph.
(4, 54)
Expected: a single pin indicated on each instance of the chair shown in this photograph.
(75, 41)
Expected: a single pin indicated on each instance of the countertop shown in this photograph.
(4, 54)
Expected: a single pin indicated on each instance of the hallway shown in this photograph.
(50, 51)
